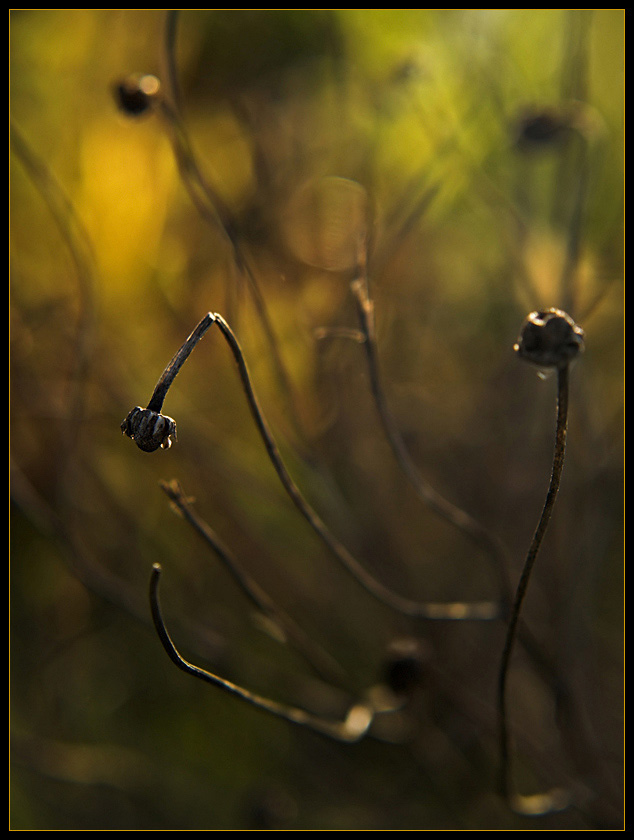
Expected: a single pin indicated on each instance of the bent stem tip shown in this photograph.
(355, 725)
(148, 427)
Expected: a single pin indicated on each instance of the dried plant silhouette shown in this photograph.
(460, 519)
(141, 94)
(150, 430)
(400, 610)
(322, 663)
(548, 339)
(351, 729)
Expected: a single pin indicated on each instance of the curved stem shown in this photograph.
(451, 513)
(352, 729)
(321, 662)
(178, 360)
(450, 611)
(455, 611)
(171, 29)
(214, 210)
(484, 610)
(555, 800)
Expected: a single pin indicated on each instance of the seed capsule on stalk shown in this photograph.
(549, 338)
(149, 429)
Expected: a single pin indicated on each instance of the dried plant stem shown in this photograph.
(79, 246)
(352, 729)
(214, 210)
(451, 611)
(321, 662)
(555, 799)
(457, 517)
(171, 75)
(151, 429)
(177, 362)
(470, 527)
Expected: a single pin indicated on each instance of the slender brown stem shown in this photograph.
(321, 662)
(79, 246)
(352, 729)
(457, 517)
(484, 610)
(171, 29)
(554, 800)
(151, 429)
(214, 210)
(150, 417)
(177, 362)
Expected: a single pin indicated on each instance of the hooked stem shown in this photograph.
(353, 728)
(478, 610)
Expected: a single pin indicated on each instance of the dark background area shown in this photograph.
(482, 152)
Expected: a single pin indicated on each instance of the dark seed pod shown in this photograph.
(137, 94)
(149, 429)
(405, 666)
(549, 338)
(541, 128)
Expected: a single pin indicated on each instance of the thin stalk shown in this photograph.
(144, 424)
(79, 246)
(556, 799)
(451, 513)
(171, 30)
(177, 362)
(353, 728)
(321, 662)
(215, 211)
(470, 527)
(451, 611)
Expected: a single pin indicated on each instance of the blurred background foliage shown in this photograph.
(485, 147)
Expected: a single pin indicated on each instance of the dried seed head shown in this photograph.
(541, 128)
(549, 338)
(149, 429)
(137, 94)
(406, 664)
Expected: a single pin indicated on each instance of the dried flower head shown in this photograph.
(549, 338)
(137, 94)
(406, 665)
(149, 429)
(542, 128)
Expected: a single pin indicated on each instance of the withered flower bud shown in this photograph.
(549, 338)
(405, 667)
(542, 128)
(149, 429)
(137, 94)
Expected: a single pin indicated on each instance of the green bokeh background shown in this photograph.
(304, 121)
